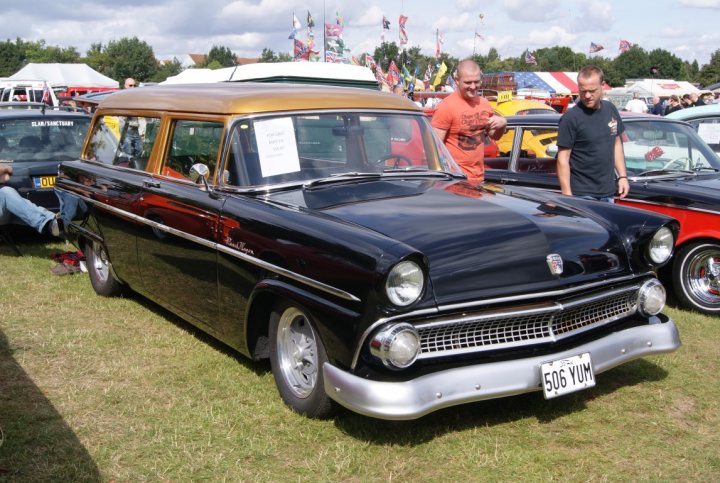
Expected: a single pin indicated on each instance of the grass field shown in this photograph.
(97, 389)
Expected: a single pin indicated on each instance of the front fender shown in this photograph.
(335, 323)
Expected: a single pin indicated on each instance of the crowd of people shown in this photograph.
(663, 107)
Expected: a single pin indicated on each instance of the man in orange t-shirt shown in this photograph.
(464, 118)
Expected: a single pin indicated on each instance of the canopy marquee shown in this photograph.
(662, 87)
(65, 75)
(559, 83)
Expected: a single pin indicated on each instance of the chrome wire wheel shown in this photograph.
(297, 352)
(696, 277)
(703, 276)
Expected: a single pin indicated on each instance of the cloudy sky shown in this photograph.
(173, 28)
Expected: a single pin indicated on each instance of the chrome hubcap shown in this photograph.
(297, 352)
(703, 276)
(100, 262)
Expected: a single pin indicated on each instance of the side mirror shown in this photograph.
(199, 173)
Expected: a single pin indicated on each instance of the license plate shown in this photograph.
(567, 375)
(44, 181)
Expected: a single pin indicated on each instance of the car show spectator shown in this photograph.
(14, 208)
(636, 104)
(673, 105)
(658, 106)
(464, 119)
(686, 101)
(696, 100)
(590, 159)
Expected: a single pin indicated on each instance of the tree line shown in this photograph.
(132, 57)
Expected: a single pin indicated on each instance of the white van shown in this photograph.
(13, 90)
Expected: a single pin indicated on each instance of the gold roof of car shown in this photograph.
(248, 98)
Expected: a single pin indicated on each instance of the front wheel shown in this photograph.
(100, 270)
(296, 357)
(696, 277)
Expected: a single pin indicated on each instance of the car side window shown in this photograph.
(538, 151)
(709, 130)
(192, 142)
(137, 137)
(124, 141)
(498, 156)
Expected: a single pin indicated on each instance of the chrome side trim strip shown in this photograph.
(222, 248)
(669, 205)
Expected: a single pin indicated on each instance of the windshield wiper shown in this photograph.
(665, 172)
(704, 168)
(341, 178)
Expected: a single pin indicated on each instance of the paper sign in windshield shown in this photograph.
(710, 133)
(276, 146)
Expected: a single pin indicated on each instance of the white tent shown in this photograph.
(200, 76)
(662, 87)
(65, 75)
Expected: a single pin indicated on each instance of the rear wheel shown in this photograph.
(100, 270)
(296, 357)
(696, 277)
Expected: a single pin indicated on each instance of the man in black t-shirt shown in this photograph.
(591, 162)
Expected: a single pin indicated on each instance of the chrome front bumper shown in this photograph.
(415, 398)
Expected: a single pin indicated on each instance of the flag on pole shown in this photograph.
(450, 81)
(338, 18)
(438, 76)
(300, 51)
(596, 47)
(385, 23)
(625, 45)
(403, 33)
(393, 75)
(369, 61)
(479, 36)
(295, 27)
(310, 21)
(46, 93)
(428, 76)
(530, 58)
(438, 43)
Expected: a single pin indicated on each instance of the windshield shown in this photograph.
(651, 145)
(298, 148)
(44, 138)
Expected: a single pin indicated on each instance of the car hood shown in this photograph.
(702, 191)
(477, 242)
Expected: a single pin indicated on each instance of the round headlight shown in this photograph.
(397, 346)
(405, 283)
(661, 245)
(651, 297)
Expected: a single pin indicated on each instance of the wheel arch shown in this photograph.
(333, 322)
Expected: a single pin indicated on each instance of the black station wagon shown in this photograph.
(327, 229)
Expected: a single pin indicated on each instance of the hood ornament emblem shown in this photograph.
(555, 263)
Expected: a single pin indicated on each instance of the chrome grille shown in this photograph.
(522, 326)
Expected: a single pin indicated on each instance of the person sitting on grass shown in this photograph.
(14, 208)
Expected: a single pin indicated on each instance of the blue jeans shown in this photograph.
(609, 199)
(16, 209)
